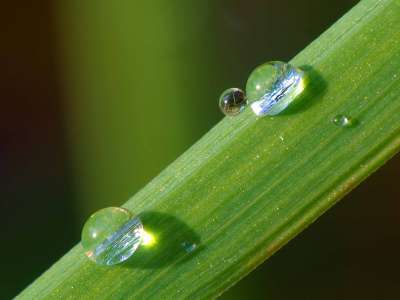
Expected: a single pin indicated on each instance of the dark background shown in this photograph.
(99, 96)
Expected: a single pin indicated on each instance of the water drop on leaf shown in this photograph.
(343, 121)
(273, 86)
(232, 101)
(110, 236)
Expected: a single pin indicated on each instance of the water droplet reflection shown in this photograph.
(110, 236)
(273, 86)
(232, 102)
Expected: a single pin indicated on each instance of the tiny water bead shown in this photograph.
(273, 86)
(110, 236)
(189, 247)
(232, 101)
(343, 121)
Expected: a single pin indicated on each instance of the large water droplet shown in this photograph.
(110, 236)
(273, 86)
(232, 101)
(343, 121)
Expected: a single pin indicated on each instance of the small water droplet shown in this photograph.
(189, 247)
(343, 121)
(110, 236)
(273, 86)
(232, 102)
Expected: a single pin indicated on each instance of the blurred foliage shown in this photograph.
(140, 83)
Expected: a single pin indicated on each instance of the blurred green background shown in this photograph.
(99, 96)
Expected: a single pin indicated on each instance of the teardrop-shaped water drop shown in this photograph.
(273, 86)
(110, 236)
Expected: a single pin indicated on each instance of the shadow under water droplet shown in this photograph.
(314, 88)
(166, 240)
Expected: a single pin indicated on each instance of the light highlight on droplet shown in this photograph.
(148, 239)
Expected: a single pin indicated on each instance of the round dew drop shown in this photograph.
(273, 86)
(110, 236)
(189, 247)
(342, 121)
(232, 101)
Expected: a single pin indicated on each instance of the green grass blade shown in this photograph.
(250, 185)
